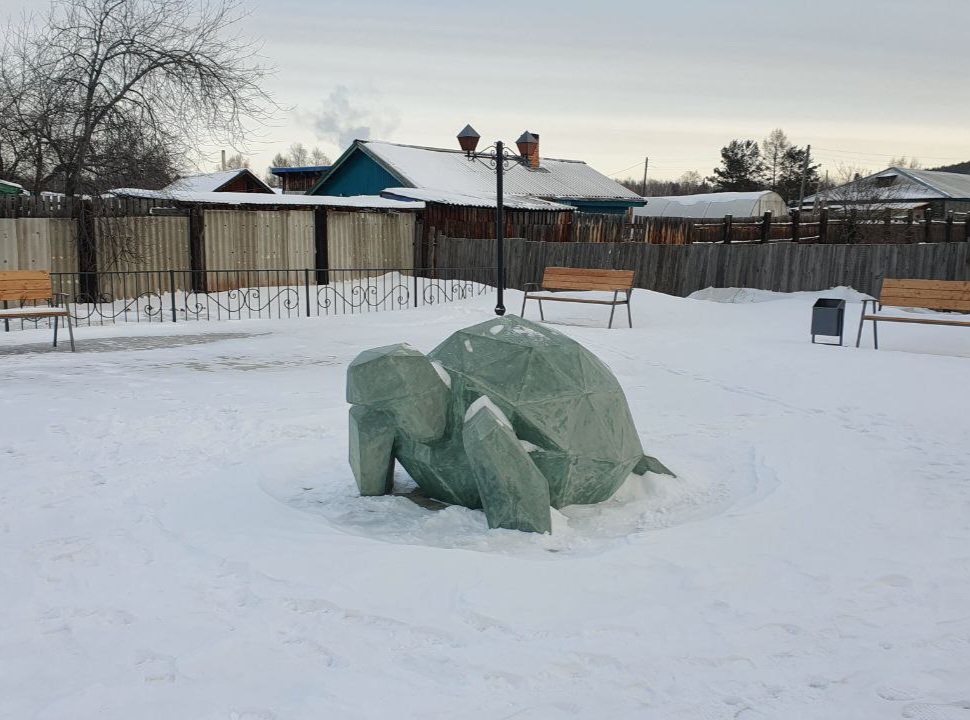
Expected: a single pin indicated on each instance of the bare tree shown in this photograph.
(690, 182)
(105, 84)
(904, 162)
(299, 155)
(773, 150)
(318, 157)
(237, 161)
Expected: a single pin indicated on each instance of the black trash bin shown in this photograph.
(828, 318)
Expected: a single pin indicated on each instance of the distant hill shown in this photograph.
(963, 167)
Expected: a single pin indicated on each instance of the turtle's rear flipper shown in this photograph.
(651, 464)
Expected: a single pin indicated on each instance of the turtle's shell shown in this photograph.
(560, 398)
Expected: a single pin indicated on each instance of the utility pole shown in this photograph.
(801, 192)
(646, 164)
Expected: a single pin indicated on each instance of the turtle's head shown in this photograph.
(402, 382)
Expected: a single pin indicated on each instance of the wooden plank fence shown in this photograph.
(823, 228)
(683, 269)
(59, 206)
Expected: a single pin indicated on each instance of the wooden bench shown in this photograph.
(21, 285)
(560, 279)
(946, 295)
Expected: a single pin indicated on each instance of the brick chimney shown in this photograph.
(528, 146)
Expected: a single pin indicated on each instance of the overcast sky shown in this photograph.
(610, 83)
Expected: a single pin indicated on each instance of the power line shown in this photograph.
(617, 172)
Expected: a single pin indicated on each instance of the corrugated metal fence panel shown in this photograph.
(22, 248)
(63, 245)
(243, 240)
(224, 239)
(146, 245)
(370, 240)
(38, 244)
(299, 251)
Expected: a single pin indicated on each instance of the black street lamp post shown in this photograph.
(497, 156)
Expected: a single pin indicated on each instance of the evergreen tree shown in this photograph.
(741, 168)
(789, 181)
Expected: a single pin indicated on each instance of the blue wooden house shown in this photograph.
(369, 167)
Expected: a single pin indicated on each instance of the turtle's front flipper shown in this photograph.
(371, 450)
(515, 495)
(653, 465)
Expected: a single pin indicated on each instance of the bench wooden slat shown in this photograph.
(14, 284)
(576, 300)
(897, 283)
(30, 312)
(24, 275)
(918, 321)
(609, 272)
(927, 303)
(26, 295)
(917, 295)
(603, 287)
(588, 276)
(620, 275)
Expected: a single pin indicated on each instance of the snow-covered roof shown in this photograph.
(710, 205)
(423, 167)
(8, 183)
(211, 182)
(952, 185)
(449, 197)
(273, 199)
(909, 185)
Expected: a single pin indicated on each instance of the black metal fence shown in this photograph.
(173, 295)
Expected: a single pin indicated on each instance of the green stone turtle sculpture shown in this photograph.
(508, 415)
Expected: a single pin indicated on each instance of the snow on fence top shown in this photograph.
(373, 202)
(450, 197)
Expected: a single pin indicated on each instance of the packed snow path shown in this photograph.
(180, 535)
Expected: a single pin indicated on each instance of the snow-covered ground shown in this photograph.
(180, 535)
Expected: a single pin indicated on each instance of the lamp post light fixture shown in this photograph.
(500, 158)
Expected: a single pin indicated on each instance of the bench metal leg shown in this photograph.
(612, 309)
(542, 315)
(70, 329)
(55, 331)
(862, 320)
(525, 296)
(629, 317)
(875, 336)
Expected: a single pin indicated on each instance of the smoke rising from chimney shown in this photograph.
(342, 121)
